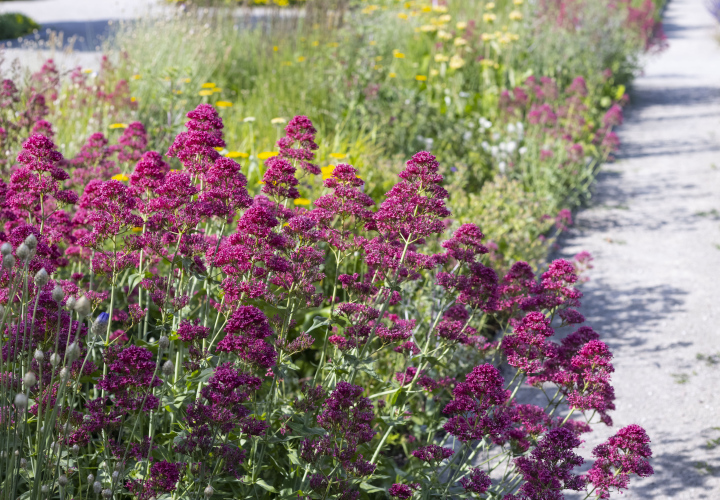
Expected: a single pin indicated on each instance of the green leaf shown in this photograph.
(266, 486)
(370, 488)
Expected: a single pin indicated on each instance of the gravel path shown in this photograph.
(654, 230)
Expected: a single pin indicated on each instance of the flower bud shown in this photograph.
(75, 449)
(55, 359)
(22, 252)
(5, 249)
(39, 355)
(90, 478)
(23, 463)
(209, 491)
(20, 400)
(8, 261)
(107, 493)
(73, 352)
(45, 489)
(63, 480)
(42, 278)
(97, 487)
(115, 476)
(164, 342)
(83, 307)
(64, 374)
(70, 303)
(58, 294)
(168, 368)
(31, 241)
(29, 379)
(100, 324)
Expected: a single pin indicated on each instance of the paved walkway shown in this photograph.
(654, 230)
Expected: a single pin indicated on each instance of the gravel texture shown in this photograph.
(654, 231)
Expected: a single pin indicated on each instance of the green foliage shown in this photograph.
(14, 25)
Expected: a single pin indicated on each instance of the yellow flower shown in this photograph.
(267, 154)
(440, 8)
(441, 58)
(205, 92)
(461, 25)
(459, 41)
(421, 78)
(136, 77)
(486, 37)
(377, 67)
(515, 15)
(402, 15)
(373, 42)
(133, 99)
(426, 8)
(337, 156)
(87, 71)
(286, 63)
(369, 9)
(300, 59)
(445, 18)
(335, 44)
(428, 28)
(327, 171)
(489, 18)
(136, 229)
(456, 62)
(392, 75)
(315, 43)
(398, 55)
(301, 201)
(278, 121)
(223, 104)
(118, 125)
(177, 92)
(444, 35)
(487, 63)
(275, 48)
(218, 149)
(208, 85)
(518, 2)
(217, 89)
(120, 177)
(378, 58)
(187, 80)
(236, 154)
(434, 72)
(490, 6)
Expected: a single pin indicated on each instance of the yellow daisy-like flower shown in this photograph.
(515, 15)
(421, 78)
(187, 80)
(118, 125)
(267, 154)
(87, 71)
(461, 25)
(441, 58)
(136, 77)
(444, 35)
(223, 104)
(459, 42)
(445, 18)
(486, 37)
(301, 59)
(402, 15)
(335, 44)
(236, 154)
(120, 177)
(392, 75)
(426, 8)
(218, 149)
(337, 156)
(278, 121)
(434, 72)
(490, 6)
(428, 28)
(398, 55)
(456, 62)
(373, 42)
(301, 201)
(487, 63)
(315, 43)
(208, 85)
(205, 93)
(177, 92)
(327, 171)
(489, 18)
(136, 229)
(217, 89)
(133, 99)
(518, 2)
(275, 48)
(440, 8)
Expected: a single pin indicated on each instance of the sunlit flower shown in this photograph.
(187, 80)
(459, 41)
(136, 77)
(420, 78)
(518, 2)
(337, 156)
(398, 54)
(278, 121)
(118, 125)
(515, 15)
(402, 15)
(445, 18)
(236, 154)
(461, 25)
(440, 8)
(120, 177)
(275, 48)
(441, 58)
(489, 18)
(490, 6)
(87, 71)
(486, 37)
(434, 72)
(205, 93)
(301, 201)
(456, 62)
(223, 104)
(208, 85)
(327, 171)
(427, 28)
(267, 154)
(444, 35)
(392, 75)
(301, 59)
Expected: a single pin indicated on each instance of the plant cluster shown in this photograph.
(164, 334)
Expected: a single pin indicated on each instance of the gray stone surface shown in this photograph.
(654, 230)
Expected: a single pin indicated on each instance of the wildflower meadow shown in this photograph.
(305, 255)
